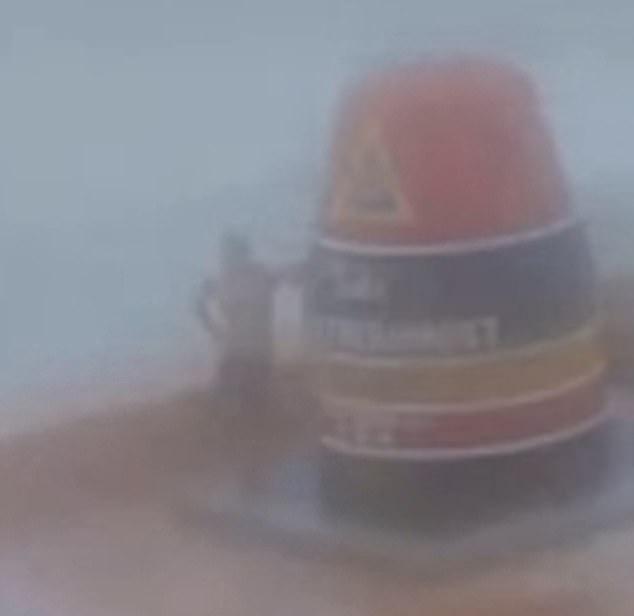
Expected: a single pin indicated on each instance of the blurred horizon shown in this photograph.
(134, 131)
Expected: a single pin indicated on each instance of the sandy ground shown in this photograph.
(89, 524)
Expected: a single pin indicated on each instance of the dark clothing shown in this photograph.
(243, 299)
(245, 382)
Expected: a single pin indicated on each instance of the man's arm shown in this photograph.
(201, 307)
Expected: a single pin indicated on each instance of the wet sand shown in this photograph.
(92, 523)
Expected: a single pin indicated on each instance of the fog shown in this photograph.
(133, 132)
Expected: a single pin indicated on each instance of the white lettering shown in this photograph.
(441, 338)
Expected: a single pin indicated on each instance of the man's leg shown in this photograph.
(228, 383)
(256, 387)
(254, 405)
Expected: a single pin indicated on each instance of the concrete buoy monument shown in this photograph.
(452, 311)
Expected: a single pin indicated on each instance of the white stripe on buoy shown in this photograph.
(457, 453)
(448, 248)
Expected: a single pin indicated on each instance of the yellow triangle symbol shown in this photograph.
(366, 189)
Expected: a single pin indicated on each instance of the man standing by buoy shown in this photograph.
(237, 308)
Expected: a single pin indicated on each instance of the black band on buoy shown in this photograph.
(452, 304)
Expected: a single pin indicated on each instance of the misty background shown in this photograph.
(133, 131)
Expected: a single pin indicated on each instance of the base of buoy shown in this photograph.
(460, 513)
(468, 492)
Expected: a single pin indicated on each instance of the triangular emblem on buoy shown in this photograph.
(366, 187)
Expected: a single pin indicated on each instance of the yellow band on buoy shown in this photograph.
(541, 367)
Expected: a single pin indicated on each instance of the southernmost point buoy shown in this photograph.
(452, 313)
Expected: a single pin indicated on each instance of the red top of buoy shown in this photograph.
(443, 151)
